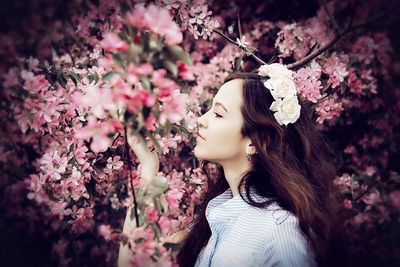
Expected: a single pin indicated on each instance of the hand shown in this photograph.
(149, 160)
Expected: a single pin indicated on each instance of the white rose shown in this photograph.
(287, 110)
(281, 87)
(274, 70)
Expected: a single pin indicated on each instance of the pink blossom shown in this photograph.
(144, 69)
(335, 67)
(165, 224)
(293, 40)
(99, 100)
(36, 186)
(173, 108)
(364, 49)
(384, 49)
(11, 78)
(75, 212)
(34, 84)
(58, 208)
(347, 204)
(99, 131)
(372, 198)
(83, 221)
(363, 218)
(164, 86)
(328, 109)
(113, 163)
(139, 98)
(350, 149)
(173, 197)
(150, 123)
(152, 214)
(395, 199)
(156, 19)
(113, 43)
(345, 182)
(105, 231)
(370, 170)
(197, 20)
(355, 85)
(53, 164)
(185, 71)
(168, 141)
(307, 82)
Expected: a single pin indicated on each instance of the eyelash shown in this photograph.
(217, 115)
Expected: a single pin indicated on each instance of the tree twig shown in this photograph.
(318, 52)
(244, 48)
(332, 42)
(324, 4)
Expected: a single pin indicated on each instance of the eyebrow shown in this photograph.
(220, 104)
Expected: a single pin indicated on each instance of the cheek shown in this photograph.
(222, 142)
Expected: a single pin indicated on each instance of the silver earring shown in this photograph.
(248, 157)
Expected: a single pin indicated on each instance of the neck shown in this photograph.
(234, 172)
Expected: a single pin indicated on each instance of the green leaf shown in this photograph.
(169, 65)
(145, 82)
(71, 148)
(157, 229)
(179, 53)
(108, 75)
(238, 63)
(62, 81)
(183, 129)
(74, 77)
(134, 53)
(72, 160)
(124, 37)
(146, 41)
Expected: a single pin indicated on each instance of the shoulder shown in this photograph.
(284, 242)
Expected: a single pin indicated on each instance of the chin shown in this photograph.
(198, 154)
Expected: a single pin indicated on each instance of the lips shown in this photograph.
(199, 135)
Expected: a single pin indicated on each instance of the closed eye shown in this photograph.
(217, 115)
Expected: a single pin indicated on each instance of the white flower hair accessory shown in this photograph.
(283, 89)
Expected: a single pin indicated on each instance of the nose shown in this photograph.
(201, 121)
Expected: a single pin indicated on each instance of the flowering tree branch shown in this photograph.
(247, 51)
(318, 52)
(334, 40)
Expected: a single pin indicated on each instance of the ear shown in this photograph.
(250, 148)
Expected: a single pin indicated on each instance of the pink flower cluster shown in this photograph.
(197, 19)
(346, 183)
(293, 41)
(113, 43)
(336, 67)
(308, 83)
(157, 20)
(328, 109)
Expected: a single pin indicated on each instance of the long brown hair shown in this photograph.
(293, 166)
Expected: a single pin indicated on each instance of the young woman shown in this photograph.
(271, 204)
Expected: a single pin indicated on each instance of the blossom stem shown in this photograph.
(128, 149)
(244, 48)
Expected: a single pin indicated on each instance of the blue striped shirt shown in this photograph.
(243, 235)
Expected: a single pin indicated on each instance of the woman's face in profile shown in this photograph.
(220, 139)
